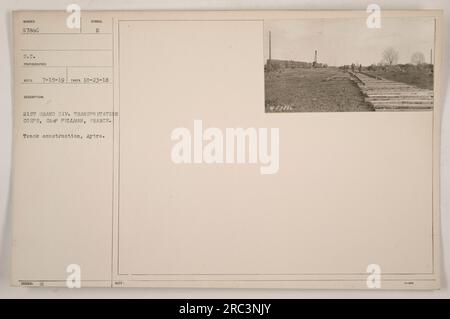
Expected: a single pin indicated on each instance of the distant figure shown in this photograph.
(353, 67)
(360, 68)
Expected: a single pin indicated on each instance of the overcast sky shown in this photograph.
(346, 41)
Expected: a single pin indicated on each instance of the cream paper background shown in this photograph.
(348, 183)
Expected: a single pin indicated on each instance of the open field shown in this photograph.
(312, 90)
(419, 78)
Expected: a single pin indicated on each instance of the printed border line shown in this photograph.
(318, 274)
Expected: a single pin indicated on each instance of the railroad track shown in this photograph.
(386, 95)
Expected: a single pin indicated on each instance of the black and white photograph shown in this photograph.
(346, 65)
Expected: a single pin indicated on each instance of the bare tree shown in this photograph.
(417, 58)
(390, 56)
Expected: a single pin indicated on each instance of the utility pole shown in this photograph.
(270, 45)
(315, 56)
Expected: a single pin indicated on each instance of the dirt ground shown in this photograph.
(312, 90)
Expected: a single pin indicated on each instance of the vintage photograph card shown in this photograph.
(239, 149)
